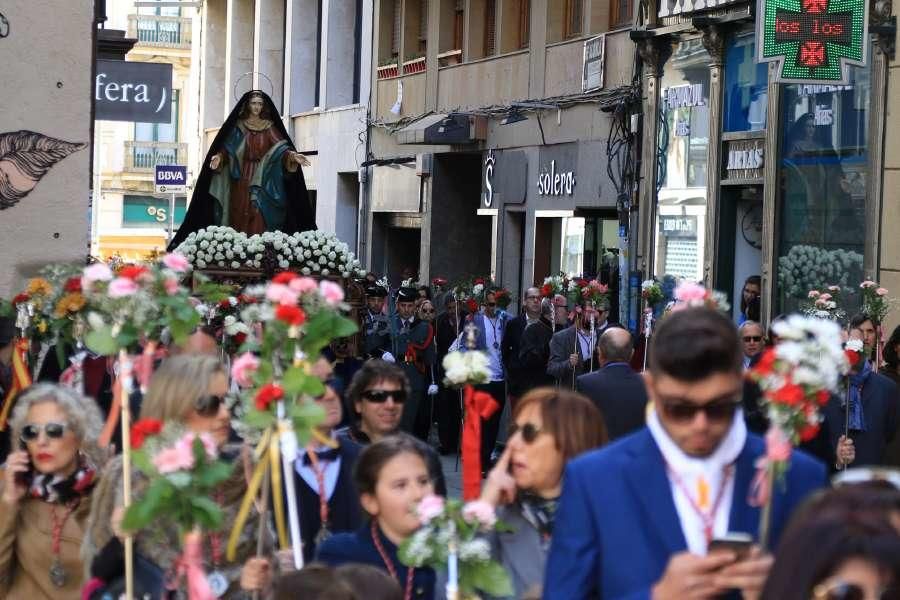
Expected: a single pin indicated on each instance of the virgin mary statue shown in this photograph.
(252, 180)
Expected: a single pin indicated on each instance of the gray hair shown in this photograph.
(746, 324)
(547, 308)
(82, 414)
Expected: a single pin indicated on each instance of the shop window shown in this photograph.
(143, 212)
(746, 85)
(823, 171)
(682, 151)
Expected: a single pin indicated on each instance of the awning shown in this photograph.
(441, 129)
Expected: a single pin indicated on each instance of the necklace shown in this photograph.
(494, 322)
(708, 518)
(319, 472)
(218, 583)
(407, 593)
(58, 575)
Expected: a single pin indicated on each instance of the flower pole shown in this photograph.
(125, 378)
(876, 305)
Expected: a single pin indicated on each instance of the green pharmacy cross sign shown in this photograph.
(813, 41)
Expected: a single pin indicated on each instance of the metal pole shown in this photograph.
(171, 217)
(847, 417)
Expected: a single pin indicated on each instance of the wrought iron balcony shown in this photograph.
(160, 31)
(142, 157)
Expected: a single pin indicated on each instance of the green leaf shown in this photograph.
(101, 341)
(259, 419)
(214, 474)
(263, 373)
(206, 512)
(489, 577)
(142, 462)
(180, 479)
(305, 415)
(146, 509)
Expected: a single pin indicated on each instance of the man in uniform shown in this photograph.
(412, 347)
(377, 326)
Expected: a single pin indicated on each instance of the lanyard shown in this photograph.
(708, 518)
(407, 593)
(319, 472)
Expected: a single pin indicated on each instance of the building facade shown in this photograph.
(313, 58)
(743, 176)
(133, 221)
(488, 148)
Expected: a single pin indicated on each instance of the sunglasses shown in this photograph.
(427, 311)
(715, 411)
(490, 304)
(753, 338)
(208, 406)
(530, 431)
(381, 396)
(850, 591)
(54, 431)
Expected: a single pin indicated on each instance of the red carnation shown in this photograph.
(808, 432)
(291, 315)
(133, 272)
(268, 394)
(479, 281)
(790, 394)
(144, 428)
(285, 277)
(822, 397)
(766, 363)
(73, 285)
(240, 338)
(226, 303)
(23, 297)
(471, 305)
(546, 290)
(852, 357)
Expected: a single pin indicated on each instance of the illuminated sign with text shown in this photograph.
(813, 41)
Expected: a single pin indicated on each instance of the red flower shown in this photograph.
(790, 394)
(142, 429)
(291, 315)
(133, 272)
(284, 278)
(23, 297)
(268, 394)
(479, 280)
(546, 290)
(226, 303)
(73, 285)
(822, 397)
(240, 338)
(766, 363)
(471, 305)
(808, 432)
(852, 357)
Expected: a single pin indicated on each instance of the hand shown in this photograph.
(13, 491)
(691, 577)
(748, 575)
(846, 453)
(299, 159)
(388, 357)
(574, 359)
(214, 162)
(256, 574)
(432, 390)
(500, 487)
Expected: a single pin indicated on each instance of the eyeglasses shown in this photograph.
(530, 431)
(54, 431)
(532, 297)
(851, 591)
(753, 338)
(686, 412)
(492, 304)
(381, 396)
(208, 406)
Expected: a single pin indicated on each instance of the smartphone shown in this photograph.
(25, 477)
(737, 543)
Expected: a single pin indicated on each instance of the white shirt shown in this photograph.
(493, 337)
(332, 471)
(698, 474)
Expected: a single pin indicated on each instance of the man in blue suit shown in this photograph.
(636, 518)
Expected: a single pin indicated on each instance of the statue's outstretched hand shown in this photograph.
(300, 159)
(214, 162)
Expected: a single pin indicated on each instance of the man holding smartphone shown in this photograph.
(637, 519)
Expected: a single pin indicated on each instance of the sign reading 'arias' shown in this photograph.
(813, 41)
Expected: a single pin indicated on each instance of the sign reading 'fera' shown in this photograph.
(813, 41)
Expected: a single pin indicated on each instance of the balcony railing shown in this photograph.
(159, 31)
(142, 157)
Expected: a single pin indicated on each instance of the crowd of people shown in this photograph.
(612, 483)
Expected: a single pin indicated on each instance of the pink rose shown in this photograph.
(280, 293)
(690, 292)
(881, 291)
(332, 292)
(243, 368)
(171, 286)
(480, 511)
(122, 287)
(93, 273)
(429, 508)
(813, 294)
(825, 297)
(179, 457)
(209, 444)
(778, 446)
(176, 262)
(303, 285)
(868, 283)
(834, 288)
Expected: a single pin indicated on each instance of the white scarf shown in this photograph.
(702, 477)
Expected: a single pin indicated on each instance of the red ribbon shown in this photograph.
(478, 405)
(21, 379)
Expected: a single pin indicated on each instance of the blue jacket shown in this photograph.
(617, 525)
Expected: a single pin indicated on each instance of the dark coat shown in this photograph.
(620, 395)
(534, 354)
(516, 372)
(879, 402)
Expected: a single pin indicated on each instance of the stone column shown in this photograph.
(238, 51)
(268, 49)
(714, 42)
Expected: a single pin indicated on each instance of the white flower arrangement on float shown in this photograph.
(810, 267)
(310, 252)
(470, 367)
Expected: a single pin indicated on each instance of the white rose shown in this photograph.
(306, 271)
(235, 264)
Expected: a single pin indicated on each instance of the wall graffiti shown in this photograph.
(25, 157)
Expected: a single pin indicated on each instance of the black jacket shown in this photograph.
(512, 342)
(534, 354)
(620, 395)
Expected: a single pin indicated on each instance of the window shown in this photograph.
(621, 13)
(163, 31)
(395, 28)
(423, 26)
(524, 23)
(574, 17)
(823, 171)
(459, 21)
(147, 212)
(490, 27)
(159, 132)
(746, 86)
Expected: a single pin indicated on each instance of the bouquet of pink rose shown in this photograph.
(451, 539)
(689, 294)
(824, 303)
(875, 301)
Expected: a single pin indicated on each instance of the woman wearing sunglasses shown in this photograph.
(46, 493)
(187, 390)
(550, 427)
(426, 311)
